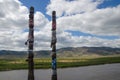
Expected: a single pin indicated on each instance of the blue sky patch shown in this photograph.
(78, 33)
(39, 5)
(109, 3)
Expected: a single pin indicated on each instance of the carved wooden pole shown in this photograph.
(53, 46)
(30, 43)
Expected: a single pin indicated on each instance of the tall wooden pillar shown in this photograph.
(53, 46)
(30, 43)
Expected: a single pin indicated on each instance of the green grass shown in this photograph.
(45, 63)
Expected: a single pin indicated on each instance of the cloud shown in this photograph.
(67, 40)
(12, 14)
(14, 25)
(98, 22)
(77, 15)
(68, 7)
(84, 16)
(40, 20)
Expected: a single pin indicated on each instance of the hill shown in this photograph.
(63, 52)
(79, 51)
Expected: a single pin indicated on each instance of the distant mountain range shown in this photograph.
(63, 52)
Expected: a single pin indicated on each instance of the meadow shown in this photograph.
(65, 62)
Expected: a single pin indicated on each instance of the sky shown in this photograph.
(90, 23)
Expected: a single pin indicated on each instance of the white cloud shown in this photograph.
(83, 15)
(40, 20)
(66, 7)
(14, 20)
(67, 40)
(94, 21)
(12, 15)
(99, 22)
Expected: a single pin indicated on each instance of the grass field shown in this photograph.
(45, 63)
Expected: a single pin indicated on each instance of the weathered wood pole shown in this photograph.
(30, 43)
(53, 46)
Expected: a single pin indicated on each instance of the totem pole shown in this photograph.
(30, 43)
(53, 46)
